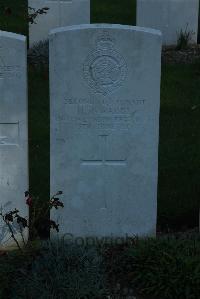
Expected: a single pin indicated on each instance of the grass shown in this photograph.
(113, 11)
(179, 151)
(179, 158)
(162, 268)
(166, 267)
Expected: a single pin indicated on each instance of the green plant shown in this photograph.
(38, 54)
(11, 264)
(16, 16)
(9, 220)
(40, 213)
(62, 271)
(39, 218)
(184, 38)
(34, 13)
(166, 268)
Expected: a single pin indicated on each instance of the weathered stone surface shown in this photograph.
(13, 128)
(105, 97)
(61, 13)
(169, 16)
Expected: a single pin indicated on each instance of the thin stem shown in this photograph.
(21, 233)
(12, 235)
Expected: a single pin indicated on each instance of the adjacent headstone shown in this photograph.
(61, 13)
(13, 130)
(105, 96)
(169, 16)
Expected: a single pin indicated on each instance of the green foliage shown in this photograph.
(184, 38)
(102, 11)
(179, 149)
(62, 271)
(165, 268)
(13, 16)
(113, 11)
(38, 55)
(34, 13)
(10, 265)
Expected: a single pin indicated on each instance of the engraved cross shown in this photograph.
(104, 161)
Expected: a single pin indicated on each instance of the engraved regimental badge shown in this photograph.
(104, 69)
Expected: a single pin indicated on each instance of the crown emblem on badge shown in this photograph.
(104, 41)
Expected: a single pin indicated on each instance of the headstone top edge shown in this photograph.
(170, 0)
(12, 35)
(60, 0)
(105, 26)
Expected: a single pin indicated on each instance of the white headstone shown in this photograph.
(169, 16)
(13, 129)
(105, 97)
(61, 13)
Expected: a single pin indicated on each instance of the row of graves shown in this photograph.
(104, 116)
